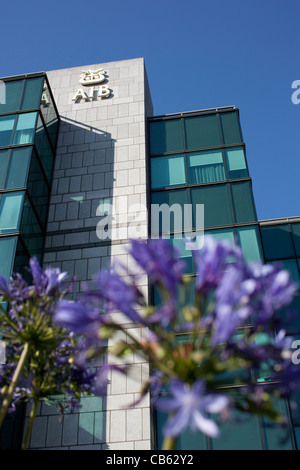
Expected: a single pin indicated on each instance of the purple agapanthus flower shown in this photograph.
(157, 257)
(75, 316)
(189, 407)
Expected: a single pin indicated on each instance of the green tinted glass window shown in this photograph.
(25, 128)
(32, 93)
(17, 170)
(277, 241)
(202, 131)
(225, 234)
(205, 167)
(231, 129)
(44, 149)
(7, 255)
(243, 203)
(38, 188)
(10, 211)
(296, 237)
(216, 202)
(6, 129)
(249, 241)
(12, 96)
(31, 230)
(291, 266)
(278, 437)
(167, 171)
(168, 213)
(3, 163)
(236, 163)
(183, 253)
(166, 136)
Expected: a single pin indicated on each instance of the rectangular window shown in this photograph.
(32, 93)
(296, 237)
(44, 149)
(166, 136)
(38, 188)
(183, 253)
(25, 129)
(7, 255)
(17, 170)
(277, 241)
(10, 211)
(3, 163)
(202, 131)
(6, 129)
(31, 231)
(236, 163)
(249, 241)
(243, 204)
(205, 167)
(217, 210)
(167, 171)
(231, 129)
(168, 213)
(12, 96)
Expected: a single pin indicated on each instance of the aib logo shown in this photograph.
(296, 94)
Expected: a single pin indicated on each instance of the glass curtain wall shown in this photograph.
(28, 133)
(200, 158)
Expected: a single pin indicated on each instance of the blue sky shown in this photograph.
(199, 54)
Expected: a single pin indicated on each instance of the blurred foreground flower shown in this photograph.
(39, 353)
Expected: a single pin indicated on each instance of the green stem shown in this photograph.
(30, 424)
(13, 384)
(169, 443)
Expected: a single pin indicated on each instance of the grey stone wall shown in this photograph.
(101, 157)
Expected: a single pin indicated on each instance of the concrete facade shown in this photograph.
(101, 158)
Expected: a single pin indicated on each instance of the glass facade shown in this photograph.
(196, 159)
(28, 133)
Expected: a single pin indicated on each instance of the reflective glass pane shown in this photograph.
(17, 170)
(3, 163)
(49, 113)
(25, 129)
(278, 437)
(7, 255)
(166, 136)
(231, 129)
(243, 203)
(10, 211)
(296, 237)
(22, 262)
(38, 188)
(202, 131)
(277, 241)
(205, 167)
(216, 202)
(168, 213)
(291, 266)
(236, 163)
(222, 234)
(44, 149)
(32, 93)
(31, 230)
(249, 241)
(6, 130)
(183, 253)
(167, 171)
(291, 316)
(12, 96)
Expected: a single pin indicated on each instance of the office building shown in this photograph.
(80, 142)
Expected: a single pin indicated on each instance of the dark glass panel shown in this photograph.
(38, 188)
(296, 237)
(243, 204)
(44, 149)
(184, 253)
(32, 93)
(17, 170)
(231, 129)
(248, 238)
(31, 231)
(202, 131)
(3, 163)
(216, 202)
(236, 163)
(205, 167)
(166, 136)
(7, 255)
(276, 436)
(172, 215)
(6, 129)
(12, 96)
(49, 114)
(277, 241)
(22, 263)
(167, 171)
